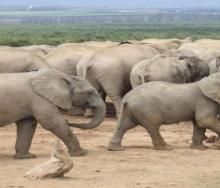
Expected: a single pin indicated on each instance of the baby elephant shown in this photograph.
(153, 104)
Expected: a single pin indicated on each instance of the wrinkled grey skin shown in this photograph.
(28, 98)
(12, 61)
(170, 69)
(153, 104)
(108, 69)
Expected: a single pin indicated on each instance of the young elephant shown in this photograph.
(28, 98)
(169, 69)
(153, 104)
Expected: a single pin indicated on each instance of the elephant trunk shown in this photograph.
(99, 112)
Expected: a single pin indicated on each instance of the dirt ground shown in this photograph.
(139, 166)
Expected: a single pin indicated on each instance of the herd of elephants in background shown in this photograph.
(150, 83)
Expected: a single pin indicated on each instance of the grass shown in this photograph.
(20, 35)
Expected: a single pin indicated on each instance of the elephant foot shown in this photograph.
(24, 156)
(115, 147)
(78, 152)
(198, 146)
(163, 147)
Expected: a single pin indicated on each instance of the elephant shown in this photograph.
(212, 58)
(164, 44)
(65, 59)
(40, 50)
(12, 61)
(95, 44)
(182, 69)
(153, 104)
(28, 98)
(108, 69)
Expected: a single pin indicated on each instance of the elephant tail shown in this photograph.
(84, 64)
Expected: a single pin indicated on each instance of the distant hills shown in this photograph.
(67, 15)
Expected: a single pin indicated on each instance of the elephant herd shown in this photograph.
(37, 82)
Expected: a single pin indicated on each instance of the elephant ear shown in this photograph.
(210, 87)
(54, 88)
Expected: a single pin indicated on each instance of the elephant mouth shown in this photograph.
(98, 117)
(62, 110)
(82, 104)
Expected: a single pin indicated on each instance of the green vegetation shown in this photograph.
(20, 35)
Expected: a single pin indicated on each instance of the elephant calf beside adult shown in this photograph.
(180, 69)
(28, 98)
(153, 104)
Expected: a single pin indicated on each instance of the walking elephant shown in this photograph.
(28, 98)
(182, 69)
(12, 61)
(153, 104)
(108, 69)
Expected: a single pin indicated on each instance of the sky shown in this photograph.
(115, 3)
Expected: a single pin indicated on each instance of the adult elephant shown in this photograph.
(12, 61)
(65, 59)
(96, 44)
(40, 50)
(212, 58)
(28, 98)
(153, 104)
(109, 69)
(180, 69)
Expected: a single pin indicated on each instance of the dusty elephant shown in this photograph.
(170, 69)
(153, 104)
(40, 50)
(28, 98)
(108, 69)
(12, 61)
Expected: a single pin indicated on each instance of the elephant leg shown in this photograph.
(57, 125)
(198, 137)
(25, 132)
(103, 95)
(123, 125)
(214, 125)
(114, 90)
(158, 141)
(116, 101)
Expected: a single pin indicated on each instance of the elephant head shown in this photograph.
(214, 64)
(139, 73)
(196, 67)
(210, 87)
(66, 91)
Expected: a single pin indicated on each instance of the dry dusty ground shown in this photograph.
(139, 166)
